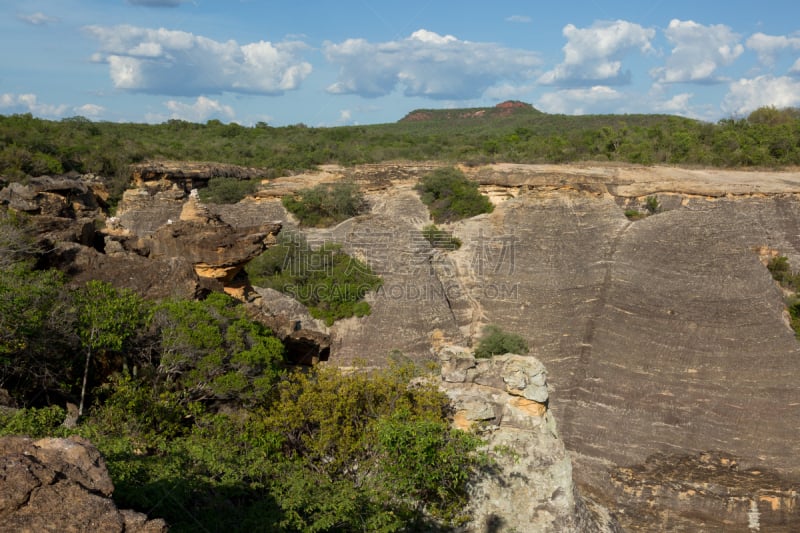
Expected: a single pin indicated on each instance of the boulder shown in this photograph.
(61, 485)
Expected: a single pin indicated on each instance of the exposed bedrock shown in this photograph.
(661, 335)
(529, 486)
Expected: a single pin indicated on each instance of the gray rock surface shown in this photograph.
(660, 335)
(530, 486)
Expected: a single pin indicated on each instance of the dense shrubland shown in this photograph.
(202, 423)
(767, 137)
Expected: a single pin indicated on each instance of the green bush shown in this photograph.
(634, 214)
(652, 205)
(329, 282)
(450, 196)
(227, 190)
(440, 238)
(495, 341)
(326, 204)
(32, 422)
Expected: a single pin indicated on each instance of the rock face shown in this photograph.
(707, 487)
(61, 485)
(662, 335)
(530, 487)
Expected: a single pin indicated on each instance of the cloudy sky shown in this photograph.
(336, 62)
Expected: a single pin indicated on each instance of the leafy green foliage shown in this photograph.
(32, 422)
(782, 272)
(227, 190)
(326, 204)
(440, 238)
(652, 205)
(495, 341)
(414, 447)
(210, 350)
(328, 452)
(450, 196)
(107, 319)
(329, 282)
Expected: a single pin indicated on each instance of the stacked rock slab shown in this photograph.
(530, 486)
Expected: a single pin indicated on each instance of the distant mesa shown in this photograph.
(502, 109)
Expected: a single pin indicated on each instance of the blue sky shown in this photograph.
(327, 63)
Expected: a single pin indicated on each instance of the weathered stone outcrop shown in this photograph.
(530, 487)
(662, 335)
(61, 485)
(674, 492)
(216, 250)
(65, 207)
(189, 175)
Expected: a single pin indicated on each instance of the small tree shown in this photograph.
(107, 319)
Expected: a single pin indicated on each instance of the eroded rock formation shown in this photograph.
(61, 485)
(530, 487)
(660, 335)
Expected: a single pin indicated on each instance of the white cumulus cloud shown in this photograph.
(747, 95)
(769, 47)
(202, 109)
(161, 61)
(29, 103)
(579, 101)
(698, 52)
(594, 55)
(426, 64)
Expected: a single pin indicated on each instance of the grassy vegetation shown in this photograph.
(329, 282)
(450, 196)
(326, 204)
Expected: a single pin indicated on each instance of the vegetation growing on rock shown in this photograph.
(326, 204)
(496, 341)
(440, 238)
(781, 272)
(450, 196)
(227, 190)
(331, 283)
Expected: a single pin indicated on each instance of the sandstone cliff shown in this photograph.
(661, 335)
